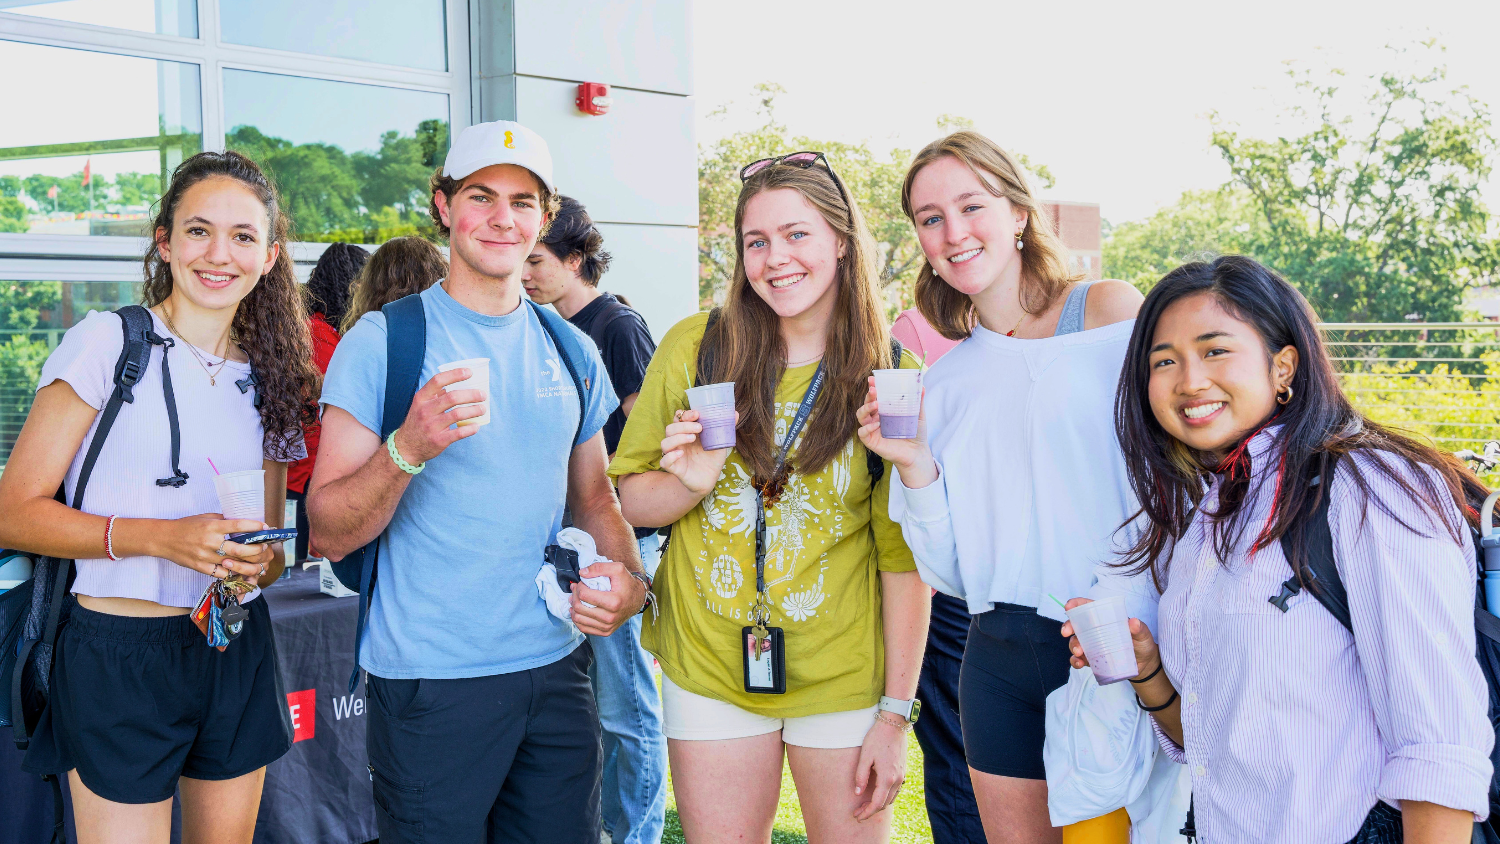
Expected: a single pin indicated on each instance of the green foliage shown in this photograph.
(1202, 225)
(1374, 211)
(12, 215)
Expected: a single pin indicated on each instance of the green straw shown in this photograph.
(686, 374)
(1059, 603)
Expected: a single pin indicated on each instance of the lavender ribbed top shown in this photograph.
(216, 421)
(1294, 727)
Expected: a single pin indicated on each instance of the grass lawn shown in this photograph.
(909, 826)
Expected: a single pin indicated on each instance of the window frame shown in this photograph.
(50, 257)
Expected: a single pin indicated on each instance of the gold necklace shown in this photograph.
(193, 350)
(1012, 332)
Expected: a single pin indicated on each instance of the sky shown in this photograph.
(1115, 98)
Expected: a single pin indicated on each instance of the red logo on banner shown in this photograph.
(303, 706)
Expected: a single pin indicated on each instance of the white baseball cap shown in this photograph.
(499, 142)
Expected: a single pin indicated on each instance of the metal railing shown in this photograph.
(1440, 381)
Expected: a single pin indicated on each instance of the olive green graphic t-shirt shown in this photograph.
(827, 539)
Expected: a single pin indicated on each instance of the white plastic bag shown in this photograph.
(558, 603)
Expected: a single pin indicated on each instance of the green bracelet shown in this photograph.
(390, 446)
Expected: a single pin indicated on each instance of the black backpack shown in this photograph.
(1322, 579)
(405, 349)
(31, 613)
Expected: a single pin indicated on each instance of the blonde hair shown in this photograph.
(750, 350)
(1044, 262)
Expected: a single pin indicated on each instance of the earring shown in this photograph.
(1019, 243)
(1286, 397)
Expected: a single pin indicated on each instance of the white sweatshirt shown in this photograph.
(1032, 483)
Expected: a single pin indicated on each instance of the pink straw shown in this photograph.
(215, 468)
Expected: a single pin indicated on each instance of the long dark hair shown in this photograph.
(752, 354)
(400, 267)
(270, 323)
(572, 232)
(333, 275)
(1317, 427)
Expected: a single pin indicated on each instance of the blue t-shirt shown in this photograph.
(456, 595)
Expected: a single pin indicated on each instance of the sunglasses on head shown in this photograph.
(803, 160)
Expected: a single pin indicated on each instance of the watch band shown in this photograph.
(902, 708)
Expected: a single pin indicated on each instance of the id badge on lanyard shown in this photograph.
(763, 648)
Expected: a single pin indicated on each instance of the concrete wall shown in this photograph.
(635, 168)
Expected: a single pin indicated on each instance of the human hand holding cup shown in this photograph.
(910, 455)
(435, 418)
(683, 454)
(479, 379)
(1102, 636)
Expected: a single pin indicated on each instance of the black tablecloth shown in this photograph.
(320, 790)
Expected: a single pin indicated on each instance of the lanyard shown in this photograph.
(762, 612)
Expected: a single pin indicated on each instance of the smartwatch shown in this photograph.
(908, 710)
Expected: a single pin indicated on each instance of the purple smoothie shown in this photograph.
(717, 434)
(898, 427)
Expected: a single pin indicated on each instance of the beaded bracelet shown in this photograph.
(109, 538)
(390, 446)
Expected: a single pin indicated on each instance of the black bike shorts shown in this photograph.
(1014, 658)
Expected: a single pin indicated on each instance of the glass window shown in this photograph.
(164, 17)
(34, 315)
(351, 161)
(412, 33)
(104, 134)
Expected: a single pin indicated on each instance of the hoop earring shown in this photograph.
(1288, 395)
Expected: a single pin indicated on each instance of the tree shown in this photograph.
(1201, 226)
(12, 215)
(1375, 210)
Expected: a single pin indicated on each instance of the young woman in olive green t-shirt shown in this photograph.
(840, 581)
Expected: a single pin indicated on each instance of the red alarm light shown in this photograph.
(593, 98)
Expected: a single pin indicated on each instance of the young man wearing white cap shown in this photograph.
(482, 719)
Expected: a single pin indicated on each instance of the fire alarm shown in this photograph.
(593, 98)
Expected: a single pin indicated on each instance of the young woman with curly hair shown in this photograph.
(141, 704)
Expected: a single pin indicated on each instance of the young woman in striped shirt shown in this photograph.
(1294, 729)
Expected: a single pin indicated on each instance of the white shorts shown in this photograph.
(691, 717)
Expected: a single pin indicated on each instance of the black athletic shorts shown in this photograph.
(138, 702)
(1014, 658)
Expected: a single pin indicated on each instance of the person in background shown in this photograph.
(142, 707)
(400, 267)
(482, 723)
(951, 810)
(840, 589)
(563, 271)
(327, 295)
(1015, 487)
(1296, 729)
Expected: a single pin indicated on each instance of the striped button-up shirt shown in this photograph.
(1294, 728)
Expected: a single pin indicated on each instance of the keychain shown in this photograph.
(218, 614)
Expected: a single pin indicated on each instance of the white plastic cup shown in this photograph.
(1103, 629)
(479, 379)
(899, 393)
(242, 495)
(715, 406)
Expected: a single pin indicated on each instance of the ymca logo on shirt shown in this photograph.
(554, 380)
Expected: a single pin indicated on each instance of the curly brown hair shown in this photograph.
(400, 267)
(270, 323)
(449, 186)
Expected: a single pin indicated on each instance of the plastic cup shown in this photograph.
(1103, 629)
(715, 406)
(479, 379)
(899, 393)
(242, 495)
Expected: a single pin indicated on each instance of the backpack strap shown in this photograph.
(612, 310)
(1320, 572)
(557, 328)
(405, 350)
(135, 356)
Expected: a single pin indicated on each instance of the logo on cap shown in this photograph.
(510, 140)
